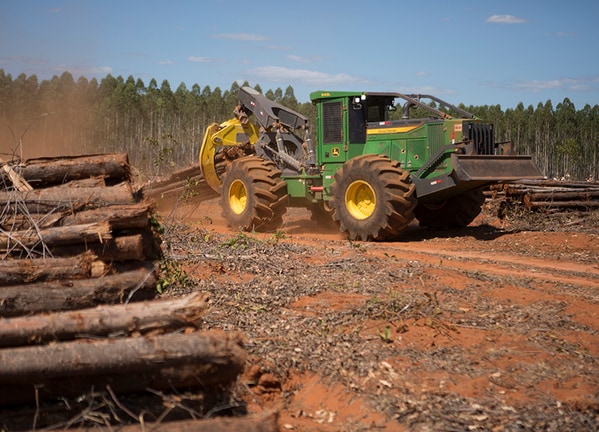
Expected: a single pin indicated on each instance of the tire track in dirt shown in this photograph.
(499, 264)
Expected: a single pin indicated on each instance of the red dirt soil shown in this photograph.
(486, 328)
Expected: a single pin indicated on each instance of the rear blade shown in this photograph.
(494, 168)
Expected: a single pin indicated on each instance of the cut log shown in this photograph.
(123, 216)
(69, 369)
(49, 199)
(562, 196)
(92, 182)
(535, 205)
(135, 285)
(45, 171)
(122, 248)
(183, 175)
(20, 221)
(96, 232)
(139, 317)
(22, 271)
(558, 183)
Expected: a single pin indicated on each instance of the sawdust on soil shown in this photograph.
(491, 327)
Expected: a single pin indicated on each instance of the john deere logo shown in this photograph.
(335, 152)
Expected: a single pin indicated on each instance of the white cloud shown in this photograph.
(195, 59)
(301, 59)
(165, 62)
(281, 74)
(570, 84)
(241, 36)
(505, 19)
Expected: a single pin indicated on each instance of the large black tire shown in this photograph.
(372, 198)
(253, 195)
(455, 212)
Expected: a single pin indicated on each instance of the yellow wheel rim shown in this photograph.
(238, 197)
(360, 200)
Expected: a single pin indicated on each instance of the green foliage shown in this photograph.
(240, 241)
(171, 274)
(385, 334)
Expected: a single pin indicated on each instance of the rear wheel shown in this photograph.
(455, 212)
(372, 198)
(253, 195)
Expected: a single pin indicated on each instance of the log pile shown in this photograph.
(185, 183)
(550, 195)
(73, 235)
(79, 322)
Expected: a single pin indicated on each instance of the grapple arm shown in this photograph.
(233, 132)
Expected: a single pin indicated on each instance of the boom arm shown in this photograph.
(269, 113)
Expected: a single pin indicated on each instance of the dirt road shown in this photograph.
(492, 327)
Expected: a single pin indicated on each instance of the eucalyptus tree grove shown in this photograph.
(161, 128)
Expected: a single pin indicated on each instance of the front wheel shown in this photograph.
(253, 195)
(372, 198)
(455, 212)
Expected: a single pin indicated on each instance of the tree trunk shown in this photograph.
(139, 284)
(95, 232)
(22, 271)
(535, 205)
(139, 317)
(45, 171)
(61, 197)
(123, 216)
(122, 248)
(70, 369)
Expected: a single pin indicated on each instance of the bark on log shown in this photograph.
(184, 174)
(123, 216)
(18, 300)
(22, 271)
(49, 199)
(44, 171)
(120, 216)
(20, 221)
(562, 196)
(220, 424)
(69, 369)
(92, 182)
(558, 183)
(122, 248)
(96, 232)
(199, 192)
(535, 205)
(139, 317)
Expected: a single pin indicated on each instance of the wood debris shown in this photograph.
(549, 194)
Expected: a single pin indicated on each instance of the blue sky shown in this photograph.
(478, 52)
